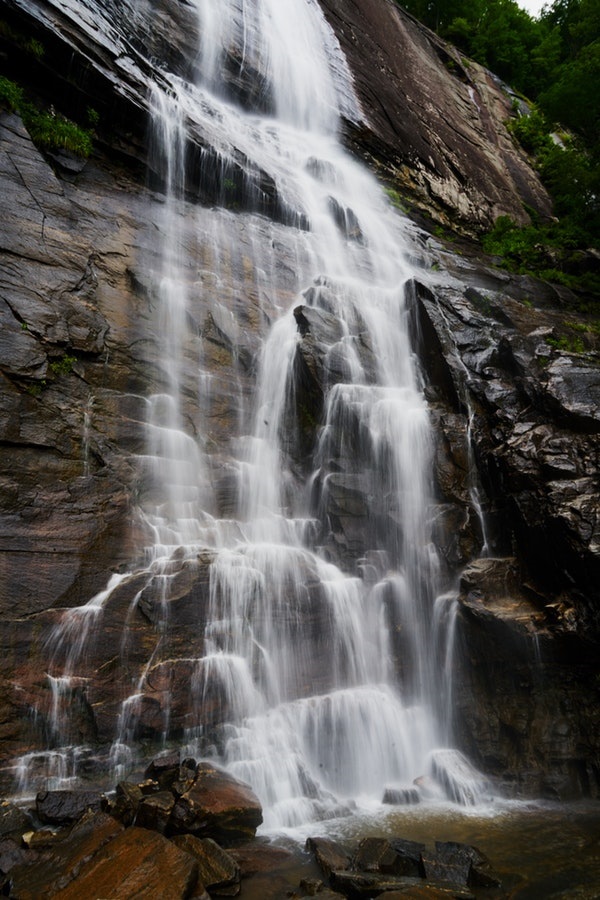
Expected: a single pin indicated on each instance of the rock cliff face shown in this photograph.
(434, 120)
(516, 418)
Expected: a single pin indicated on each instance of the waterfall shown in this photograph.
(319, 661)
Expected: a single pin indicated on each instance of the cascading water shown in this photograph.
(321, 653)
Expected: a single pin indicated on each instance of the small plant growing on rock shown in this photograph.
(55, 132)
(395, 198)
(35, 48)
(63, 366)
(570, 344)
(34, 390)
(49, 130)
(10, 94)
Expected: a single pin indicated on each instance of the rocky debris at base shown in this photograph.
(402, 868)
(153, 839)
(122, 852)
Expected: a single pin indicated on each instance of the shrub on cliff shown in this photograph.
(49, 130)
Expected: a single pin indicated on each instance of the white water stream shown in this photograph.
(333, 676)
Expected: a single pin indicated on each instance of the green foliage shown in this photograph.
(395, 198)
(443, 234)
(572, 176)
(549, 251)
(63, 366)
(573, 98)
(10, 94)
(54, 132)
(35, 48)
(564, 342)
(92, 116)
(49, 130)
(532, 132)
(28, 44)
(554, 59)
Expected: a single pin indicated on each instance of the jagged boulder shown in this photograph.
(49, 869)
(136, 863)
(63, 807)
(217, 805)
(218, 870)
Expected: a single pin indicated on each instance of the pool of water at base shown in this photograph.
(540, 851)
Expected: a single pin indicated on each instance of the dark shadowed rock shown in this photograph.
(329, 855)
(326, 894)
(409, 855)
(445, 865)
(164, 770)
(461, 856)
(459, 864)
(359, 885)
(154, 812)
(422, 891)
(11, 855)
(128, 797)
(374, 855)
(13, 820)
(311, 886)
(64, 807)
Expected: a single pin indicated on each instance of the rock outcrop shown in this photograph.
(500, 377)
(435, 121)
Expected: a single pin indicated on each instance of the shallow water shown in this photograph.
(539, 851)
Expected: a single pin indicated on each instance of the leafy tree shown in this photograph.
(574, 99)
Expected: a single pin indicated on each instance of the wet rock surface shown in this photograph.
(217, 804)
(101, 856)
(382, 867)
(533, 453)
(63, 807)
(109, 854)
(139, 846)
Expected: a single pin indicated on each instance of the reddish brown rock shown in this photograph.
(137, 864)
(47, 871)
(217, 869)
(217, 805)
(257, 858)
(329, 855)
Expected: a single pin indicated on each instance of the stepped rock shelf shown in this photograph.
(285, 482)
